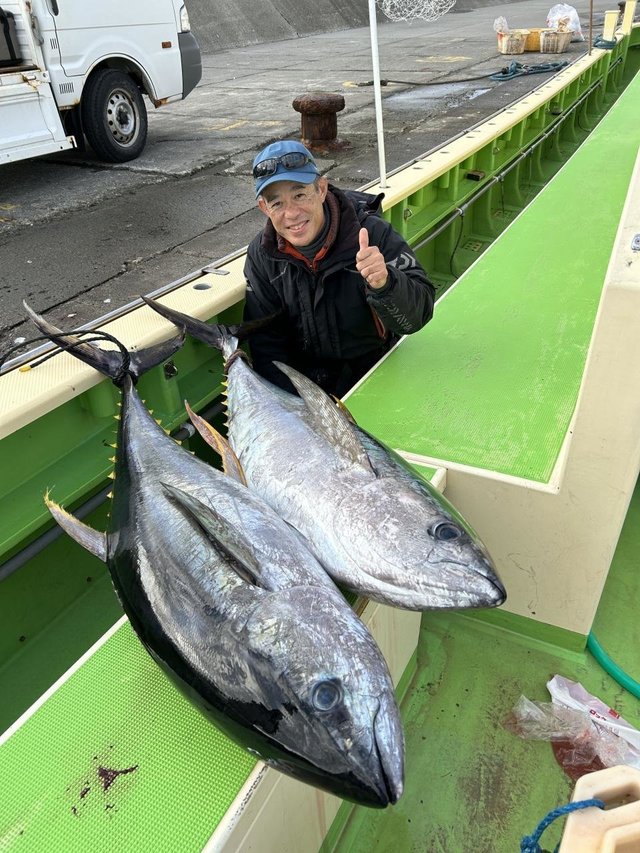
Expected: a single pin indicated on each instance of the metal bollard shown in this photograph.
(319, 119)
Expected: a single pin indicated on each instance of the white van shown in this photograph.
(71, 69)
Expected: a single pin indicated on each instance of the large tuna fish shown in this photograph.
(230, 602)
(373, 523)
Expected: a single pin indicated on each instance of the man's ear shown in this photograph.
(323, 186)
(262, 205)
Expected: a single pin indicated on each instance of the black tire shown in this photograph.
(114, 117)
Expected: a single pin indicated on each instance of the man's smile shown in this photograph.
(298, 227)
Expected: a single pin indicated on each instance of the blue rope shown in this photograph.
(529, 843)
(603, 43)
(517, 69)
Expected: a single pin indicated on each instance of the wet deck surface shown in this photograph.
(189, 198)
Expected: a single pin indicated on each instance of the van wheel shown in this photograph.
(114, 117)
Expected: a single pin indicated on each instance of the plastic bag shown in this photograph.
(545, 721)
(570, 694)
(563, 18)
(585, 734)
(500, 25)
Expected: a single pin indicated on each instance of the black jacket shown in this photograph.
(332, 326)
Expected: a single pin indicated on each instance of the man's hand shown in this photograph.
(370, 262)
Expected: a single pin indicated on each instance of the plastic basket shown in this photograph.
(513, 41)
(533, 39)
(551, 41)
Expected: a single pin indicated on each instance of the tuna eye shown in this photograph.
(444, 531)
(326, 695)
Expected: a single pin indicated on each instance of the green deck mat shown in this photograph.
(492, 380)
(470, 784)
(117, 712)
(117, 759)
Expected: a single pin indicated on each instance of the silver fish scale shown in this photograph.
(153, 458)
(275, 644)
(371, 528)
(229, 601)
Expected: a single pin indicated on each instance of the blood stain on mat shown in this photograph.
(108, 775)
(572, 761)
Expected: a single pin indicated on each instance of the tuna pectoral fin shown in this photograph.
(328, 420)
(230, 462)
(220, 532)
(94, 541)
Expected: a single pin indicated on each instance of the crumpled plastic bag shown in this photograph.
(546, 721)
(571, 694)
(563, 18)
(500, 25)
(585, 734)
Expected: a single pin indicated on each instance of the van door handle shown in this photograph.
(35, 26)
(54, 6)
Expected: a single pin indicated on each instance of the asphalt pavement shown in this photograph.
(79, 238)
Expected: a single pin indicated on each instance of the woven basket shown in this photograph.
(551, 41)
(513, 41)
(533, 39)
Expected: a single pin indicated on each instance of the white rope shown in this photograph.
(407, 10)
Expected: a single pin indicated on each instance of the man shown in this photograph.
(343, 283)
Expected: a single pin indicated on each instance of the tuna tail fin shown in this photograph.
(215, 335)
(92, 540)
(223, 338)
(112, 363)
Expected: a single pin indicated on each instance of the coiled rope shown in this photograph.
(529, 843)
(603, 43)
(518, 69)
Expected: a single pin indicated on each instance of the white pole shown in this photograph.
(373, 29)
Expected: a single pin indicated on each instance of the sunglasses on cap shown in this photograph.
(294, 160)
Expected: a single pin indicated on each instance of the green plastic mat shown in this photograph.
(492, 380)
(117, 759)
(470, 784)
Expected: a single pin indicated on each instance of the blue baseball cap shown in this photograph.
(286, 160)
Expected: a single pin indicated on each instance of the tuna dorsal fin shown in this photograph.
(231, 465)
(344, 410)
(220, 532)
(328, 420)
(92, 540)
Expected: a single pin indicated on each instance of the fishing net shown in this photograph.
(407, 10)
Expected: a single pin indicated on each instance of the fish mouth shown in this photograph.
(483, 591)
(493, 596)
(464, 585)
(490, 592)
(387, 732)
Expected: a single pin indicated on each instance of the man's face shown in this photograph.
(295, 210)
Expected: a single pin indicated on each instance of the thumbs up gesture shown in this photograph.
(370, 262)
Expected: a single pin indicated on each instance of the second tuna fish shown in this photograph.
(374, 524)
